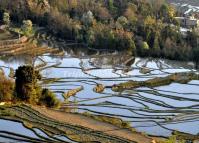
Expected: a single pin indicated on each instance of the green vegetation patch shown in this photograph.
(159, 81)
(99, 88)
(26, 88)
(72, 92)
(185, 136)
(112, 120)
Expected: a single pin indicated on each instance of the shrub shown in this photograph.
(145, 46)
(6, 88)
(142, 47)
(27, 27)
(173, 139)
(48, 98)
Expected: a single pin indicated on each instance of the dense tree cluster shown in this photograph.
(26, 84)
(145, 27)
(28, 90)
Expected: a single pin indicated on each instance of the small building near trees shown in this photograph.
(188, 21)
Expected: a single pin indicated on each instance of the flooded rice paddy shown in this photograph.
(156, 111)
(15, 132)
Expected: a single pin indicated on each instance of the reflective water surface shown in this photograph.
(156, 111)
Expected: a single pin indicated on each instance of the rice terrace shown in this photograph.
(87, 71)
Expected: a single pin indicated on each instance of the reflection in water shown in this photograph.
(13, 132)
(156, 111)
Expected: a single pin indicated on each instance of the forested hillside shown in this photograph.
(143, 27)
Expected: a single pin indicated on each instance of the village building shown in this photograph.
(188, 21)
(188, 15)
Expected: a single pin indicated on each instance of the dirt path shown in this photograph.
(93, 124)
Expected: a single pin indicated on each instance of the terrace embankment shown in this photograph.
(182, 78)
(77, 127)
(95, 125)
(13, 46)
